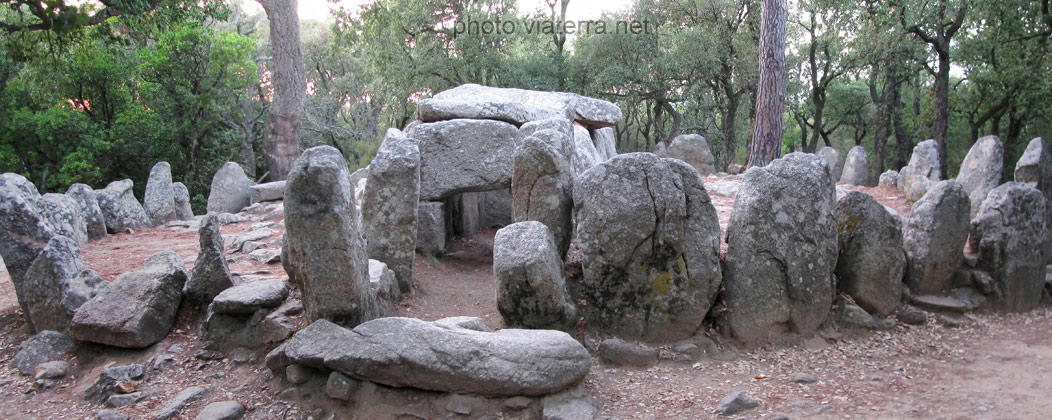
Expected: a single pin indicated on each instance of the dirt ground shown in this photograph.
(989, 367)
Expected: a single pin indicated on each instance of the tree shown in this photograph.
(825, 60)
(769, 126)
(281, 138)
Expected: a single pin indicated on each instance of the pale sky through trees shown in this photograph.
(578, 9)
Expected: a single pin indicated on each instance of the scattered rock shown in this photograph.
(105, 385)
(51, 370)
(159, 199)
(912, 317)
(389, 203)
(250, 297)
(268, 191)
(856, 171)
(230, 190)
(120, 209)
(803, 378)
(934, 238)
(573, 404)
(617, 352)
(341, 387)
(694, 150)
(851, 314)
(89, 210)
(223, 410)
(463, 405)
(210, 274)
(736, 403)
(297, 374)
(938, 303)
(110, 415)
(266, 256)
(184, 397)
(121, 400)
(44, 347)
(531, 290)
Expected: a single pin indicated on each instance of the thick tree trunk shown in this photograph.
(942, 109)
(281, 137)
(769, 126)
(903, 146)
(729, 130)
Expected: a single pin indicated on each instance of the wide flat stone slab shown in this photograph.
(939, 303)
(517, 106)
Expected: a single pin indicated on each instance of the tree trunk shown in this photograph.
(281, 137)
(942, 109)
(769, 126)
(902, 139)
(729, 130)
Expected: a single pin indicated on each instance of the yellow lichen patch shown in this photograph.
(662, 283)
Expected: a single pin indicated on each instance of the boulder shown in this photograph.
(231, 189)
(531, 289)
(64, 214)
(856, 169)
(89, 210)
(516, 106)
(138, 308)
(19, 183)
(180, 400)
(605, 142)
(834, 160)
(464, 155)
(649, 242)
(922, 171)
(110, 378)
(44, 347)
(542, 187)
(120, 209)
(1035, 167)
(181, 195)
(383, 285)
(324, 252)
(617, 352)
(782, 249)
(159, 199)
(57, 284)
(659, 149)
(871, 261)
(210, 274)
(693, 149)
(1010, 233)
(889, 179)
(431, 228)
(359, 180)
(981, 170)
(495, 208)
(445, 357)
(223, 410)
(24, 232)
(268, 191)
(585, 153)
(934, 238)
(250, 297)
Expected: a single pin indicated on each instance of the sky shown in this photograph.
(578, 9)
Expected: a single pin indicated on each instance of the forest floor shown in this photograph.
(986, 367)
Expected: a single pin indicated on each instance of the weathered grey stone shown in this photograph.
(359, 180)
(406, 352)
(230, 190)
(938, 303)
(693, 149)
(803, 378)
(871, 261)
(856, 169)
(24, 231)
(1035, 167)
(573, 404)
(180, 400)
(531, 290)
(64, 214)
(736, 403)
(159, 199)
(110, 415)
(849, 313)
(585, 153)
(210, 274)
(89, 210)
(431, 228)
(889, 179)
(834, 160)
(108, 379)
(605, 142)
(649, 241)
(981, 170)
(617, 352)
(383, 285)
(516, 106)
(923, 170)
(1010, 233)
(340, 387)
(44, 347)
(464, 155)
(324, 251)
(223, 410)
(659, 149)
(267, 191)
(252, 235)
(934, 238)
(119, 207)
(121, 400)
(389, 206)
(901, 182)
(559, 133)
(542, 187)
(250, 297)
(54, 369)
(463, 213)
(280, 324)
(781, 249)
(735, 169)
(182, 202)
(57, 284)
(495, 208)
(20, 183)
(912, 317)
(138, 308)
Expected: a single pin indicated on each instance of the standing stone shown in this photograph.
(230, 189)
(871, 261)
(834, 160)
(431, 228)
(981, 170)
(1035, 169)
(463, 212)
(210, 275)
(659, 149)
(389, 206)
(57, 284)
(64, 214)
(138, 308)
(889, 179)
(159, 199)
(584, 149)
(605, 142)
(782, 249)
(856, 171)
(464, 155)
(24, 232)
(359, 180)
(901, 182)
(325, 251)
(120, 209)
(531, 290)
(558, 132)
(934, 238)
(542, 188)
(1011, 235)
(268, 191)
(649, 241)
(495, 208)
(693, 149)
(183, 211)
(923, 170)
(89, 210)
